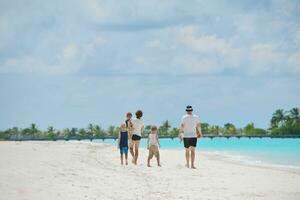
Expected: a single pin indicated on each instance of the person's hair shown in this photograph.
(153, 128)
(123, 125)
(139, 114)
(129, 114)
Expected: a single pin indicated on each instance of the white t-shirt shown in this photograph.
(153, 139)
(137, 125)
(189, 125)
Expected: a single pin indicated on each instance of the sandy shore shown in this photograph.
(79, 170)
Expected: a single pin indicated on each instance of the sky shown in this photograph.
(70, 63)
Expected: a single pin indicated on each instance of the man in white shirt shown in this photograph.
(190, 124)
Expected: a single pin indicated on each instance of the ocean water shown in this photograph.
(259, 151)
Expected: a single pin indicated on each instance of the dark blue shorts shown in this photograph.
(123, 150)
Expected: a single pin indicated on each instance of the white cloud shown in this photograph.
(245, 24)
(192, 65)
(70, 52)
(153, 43)
(70, 59)
(184, 40)
(203, 43)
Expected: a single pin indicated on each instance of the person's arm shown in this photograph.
(129, 130)
(119, 138)
(128, 137)
(142, 130)
(158, 140)
(148, 142)
(199, 130)
(198, 127)
(180, 135)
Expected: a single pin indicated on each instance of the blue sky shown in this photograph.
(70, 63)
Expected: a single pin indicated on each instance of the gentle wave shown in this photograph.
(266, 152)
(251, 160)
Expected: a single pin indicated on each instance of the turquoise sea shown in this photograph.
(260, 151)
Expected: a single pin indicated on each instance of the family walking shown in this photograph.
(132, 130)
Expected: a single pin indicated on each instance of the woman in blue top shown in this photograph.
(123, 143)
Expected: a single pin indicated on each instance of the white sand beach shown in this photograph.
(83, 170)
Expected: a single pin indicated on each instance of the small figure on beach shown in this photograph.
(129, 127)
(153, 145)
(123, 143)
(137, 131)
(190, 126)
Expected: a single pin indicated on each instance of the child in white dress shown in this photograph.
(153, 144)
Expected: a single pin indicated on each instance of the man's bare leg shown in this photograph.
(187, 157)
(192, 157)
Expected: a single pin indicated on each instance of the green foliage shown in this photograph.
(4, 135)
(205, 128)
(215, 130)
(98, 131)
(282, 123)
(147, 129)
(285, 122)
(113, 131)
(249, 129)
(174, 132)
(82, 133)
(164, 128)
(230, 129)
(51, 133)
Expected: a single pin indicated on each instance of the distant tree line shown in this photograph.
(281, 123)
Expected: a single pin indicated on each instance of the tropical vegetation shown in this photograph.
(282, 123)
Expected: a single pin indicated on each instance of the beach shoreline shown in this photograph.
(87, 170)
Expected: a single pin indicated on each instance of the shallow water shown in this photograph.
(277, 151)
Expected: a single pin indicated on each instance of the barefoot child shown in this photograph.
(123, 143)
(153, 144)
(129, 128)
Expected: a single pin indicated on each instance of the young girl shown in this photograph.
(129, 126)
(123, 143)
(153, 144)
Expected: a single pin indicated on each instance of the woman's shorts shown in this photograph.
(136, 137)
(153, 151)
(123, 150)
(190, 142)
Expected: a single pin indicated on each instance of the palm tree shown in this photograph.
(90, 130)
(73, 132)
(249, 129)
(98, 131)
(111, 130)
(167, 125)
(33, 130)
(294, 115)
(51, 132)
(278, 118)
(205, 128)
(147, 129)
(66, 133)
(215, 129)
(230, 128)
(164, 128)
(82, 133)
(174, 132)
